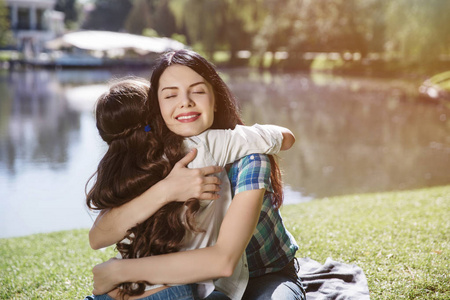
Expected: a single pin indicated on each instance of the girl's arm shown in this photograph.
(180, 185)
(288, 139)
(230, 145)
(194, 265)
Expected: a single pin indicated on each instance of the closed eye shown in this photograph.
(198, 90)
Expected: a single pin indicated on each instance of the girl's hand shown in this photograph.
(104, 277)
(183, 183)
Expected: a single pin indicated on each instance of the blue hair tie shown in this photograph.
(147, 128)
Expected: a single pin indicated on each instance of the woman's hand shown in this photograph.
(105, 277)
(180, 185)
(183, 183)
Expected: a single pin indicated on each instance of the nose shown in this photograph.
(186, 101)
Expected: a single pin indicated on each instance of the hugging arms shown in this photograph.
(217, 261)
(187, 97)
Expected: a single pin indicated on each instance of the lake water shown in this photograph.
(354, 135)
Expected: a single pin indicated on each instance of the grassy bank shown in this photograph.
(401, 241)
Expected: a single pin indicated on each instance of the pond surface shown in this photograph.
(354, 135)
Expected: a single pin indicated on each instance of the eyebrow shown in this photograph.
(174, 87)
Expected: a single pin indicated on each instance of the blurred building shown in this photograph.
(33, 22)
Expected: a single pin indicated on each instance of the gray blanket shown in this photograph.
(333, 280)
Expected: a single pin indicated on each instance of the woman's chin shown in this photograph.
(188, 133)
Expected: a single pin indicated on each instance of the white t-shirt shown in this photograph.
(220, 147)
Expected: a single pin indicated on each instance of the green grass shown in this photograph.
(48, 266)
(401, 240)
(6, 55)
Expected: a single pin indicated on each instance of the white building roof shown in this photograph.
(106, 40)
(32, 3)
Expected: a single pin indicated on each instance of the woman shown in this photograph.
(256, 186)
(137, 157)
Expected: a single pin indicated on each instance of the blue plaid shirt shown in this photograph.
(271, 246)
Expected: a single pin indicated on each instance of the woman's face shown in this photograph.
(186, 101)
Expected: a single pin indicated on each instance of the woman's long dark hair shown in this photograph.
(227, 112)
(133, 162)
(136, 159)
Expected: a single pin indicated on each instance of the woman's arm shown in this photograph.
(194, 265)
(180, 185)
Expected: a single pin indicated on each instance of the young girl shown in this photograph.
(137, 158)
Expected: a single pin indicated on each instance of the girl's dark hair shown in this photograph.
(227, 112)
(133, 162)
(137, 159)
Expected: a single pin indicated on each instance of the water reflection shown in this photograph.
(36, 125)
(353, 135)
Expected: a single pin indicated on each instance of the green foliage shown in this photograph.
(108, 15)
(401, 239)
(204, 27)
(154, 14)
(404, 34)
(70, 10)
(442, 80)
(221, 25)
(323, 63)
(150, 32)
(5, 33)
(179, 37)
(417, 32)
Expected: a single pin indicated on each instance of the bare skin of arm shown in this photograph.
(194, 265)
(288, 139)
(180, 185)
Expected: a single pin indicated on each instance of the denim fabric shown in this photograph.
(283, 284)
(179, 292)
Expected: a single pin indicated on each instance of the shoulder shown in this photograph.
(251, 172)
(205, 138)
(255, 159)
(213, 137)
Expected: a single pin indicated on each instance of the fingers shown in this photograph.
(209, 196)
(190, 157)
(211, 180)
(187, 158)
(211, 170)
(211, 188)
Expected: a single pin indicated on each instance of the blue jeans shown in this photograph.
(179, 292)
(283, 284)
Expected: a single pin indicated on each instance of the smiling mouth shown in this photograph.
(188, 118)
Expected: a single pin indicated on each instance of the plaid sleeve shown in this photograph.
(254, 173)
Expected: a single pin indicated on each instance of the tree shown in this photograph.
(108, 15)
(5, 33)
(217, 24)
(70, 10)
(201, 20)
(139, 17)
(418, 32)
(151, 14)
